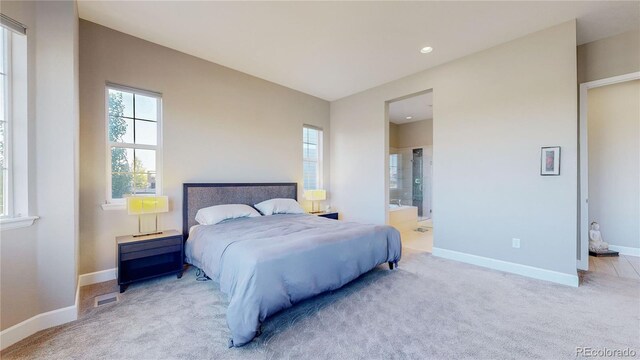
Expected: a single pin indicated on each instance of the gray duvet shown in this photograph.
(266, 264)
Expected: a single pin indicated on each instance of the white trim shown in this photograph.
(56, 317)
(519, 269)
(13, 25)
(17, 222)
(97, 277)
(37, 323)
(583, 222)
(612, 80)
(114, 206)
(77, 304)
(625, 250)
(130, 89)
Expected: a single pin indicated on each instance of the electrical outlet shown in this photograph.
(515, 243)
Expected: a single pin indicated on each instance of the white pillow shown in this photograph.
(279, 206)
(218, 213)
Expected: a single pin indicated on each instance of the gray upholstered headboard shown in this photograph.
(201, 195)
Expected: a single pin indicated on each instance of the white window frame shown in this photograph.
(8, 134)
(119, 204)
(17, 126)
(319, 161)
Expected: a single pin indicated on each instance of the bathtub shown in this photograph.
(403, 217)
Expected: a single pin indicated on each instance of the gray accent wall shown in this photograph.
(220, 125)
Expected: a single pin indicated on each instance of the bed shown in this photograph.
(269, 263)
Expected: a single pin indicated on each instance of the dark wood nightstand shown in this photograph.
(145, 257)
(328, 215)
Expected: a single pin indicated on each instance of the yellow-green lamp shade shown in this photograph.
(315, 195)
(138, 205)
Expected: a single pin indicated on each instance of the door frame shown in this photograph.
(386, 145)
(583, 175)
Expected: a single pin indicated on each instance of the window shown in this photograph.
(393, 171)
(5, 123)
(312, 157)
(14, 169)
(14, 136)
(134, 138)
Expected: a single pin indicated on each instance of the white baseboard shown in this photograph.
(625, 250)
(56, 317)
(98, 276)
(39, 322)
(519, 269)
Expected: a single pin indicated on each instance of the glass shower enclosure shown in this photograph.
(409, 174)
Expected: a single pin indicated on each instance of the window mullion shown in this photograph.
(134, 117)
(133, 146)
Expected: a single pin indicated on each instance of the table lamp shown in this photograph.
(315, 196)
(143, 206)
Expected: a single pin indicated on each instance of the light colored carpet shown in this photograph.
(430, 308)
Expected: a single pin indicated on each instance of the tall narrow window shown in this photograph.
(14, 136)
(312, 157)
(134, 137)
(5, 123)
(393, 171)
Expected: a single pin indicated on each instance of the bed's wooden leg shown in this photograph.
(390, 265)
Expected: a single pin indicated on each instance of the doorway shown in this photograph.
(609, 160)
(410, 160)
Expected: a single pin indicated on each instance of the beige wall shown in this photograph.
(393, 135)
(417, 133)
(614, 160)
(220, 125)
(39, 263)
(493, 111)
(612, 56)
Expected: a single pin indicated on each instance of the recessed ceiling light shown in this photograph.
(426, 49)
(409, 118)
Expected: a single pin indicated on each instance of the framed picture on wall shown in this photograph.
(550, 161)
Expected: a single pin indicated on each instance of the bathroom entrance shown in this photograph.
(410, 168)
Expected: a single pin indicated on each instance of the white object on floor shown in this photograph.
(595, 239)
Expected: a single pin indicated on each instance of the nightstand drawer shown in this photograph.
(150, 252)
(150, 244)
(145, 257)
(333, 215)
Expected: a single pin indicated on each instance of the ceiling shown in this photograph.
(419, 107)
(335, 49)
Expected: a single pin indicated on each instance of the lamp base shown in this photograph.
(147, 225)
(147, 234)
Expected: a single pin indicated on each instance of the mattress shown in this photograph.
(269, 263)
